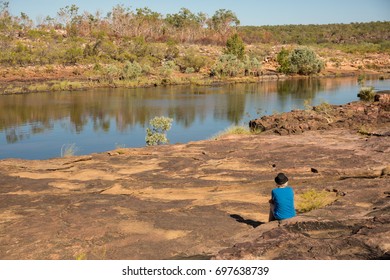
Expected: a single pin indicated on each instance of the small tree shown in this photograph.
(283, 59)
(156, 135)
(223, 21)
(235, 46)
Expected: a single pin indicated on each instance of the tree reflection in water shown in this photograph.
(198, 112)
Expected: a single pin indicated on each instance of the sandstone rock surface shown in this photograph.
(200, 200)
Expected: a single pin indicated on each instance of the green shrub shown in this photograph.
(189, 70)
(235, 46)
(301, 61)
(172, 50)
(283, 60)
(366, 94)
(107, 50)
(73, 54)
(111, 73)
(252, 66)
(156, 135)
(167, 68)
(140, 47)
(132, 70)
(191, 60)
(305, 62)
(228, 65)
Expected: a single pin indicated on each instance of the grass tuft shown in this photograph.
(313, 199)
(234, 130)
(366, 94)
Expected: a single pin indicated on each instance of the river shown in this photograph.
(41, 125)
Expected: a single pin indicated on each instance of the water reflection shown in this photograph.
(98, 119)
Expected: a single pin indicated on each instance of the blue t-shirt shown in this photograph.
(284, 203)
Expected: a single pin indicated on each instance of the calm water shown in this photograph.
(37, 126)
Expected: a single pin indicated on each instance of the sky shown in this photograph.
(249, 12)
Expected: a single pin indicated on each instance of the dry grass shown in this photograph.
(233, 130)
(313, 199)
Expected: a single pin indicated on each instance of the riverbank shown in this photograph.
(206, 199)
(62, 77)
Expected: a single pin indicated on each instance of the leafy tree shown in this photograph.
(182, 19)
(25, 22)
(6, 21)
(156, 135)
(186, 24)
(68, 16)
(223, 21)
(235, 46)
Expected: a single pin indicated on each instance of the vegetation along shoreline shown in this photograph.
(142, 48)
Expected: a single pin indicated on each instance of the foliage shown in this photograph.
(313, 199)
(336, 35)
(191, 60)
(234, 130)
(172, 50)
(111, 73)
(73, 54)
(223, 22)
(132, 70)
(301, 60)
(227, 65)
(283, 59)
(252, 66)
(235, 46)
(184, 18)
(168, 68)
(366, 94)
(156, 135)
(325, 110)
(130, 44)
(304, 61)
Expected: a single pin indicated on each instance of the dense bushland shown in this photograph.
(354, 37)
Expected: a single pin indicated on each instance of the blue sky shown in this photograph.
(250, 12)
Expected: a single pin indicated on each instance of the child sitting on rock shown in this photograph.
(282, 200)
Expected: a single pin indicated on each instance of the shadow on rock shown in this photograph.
(240, 219)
